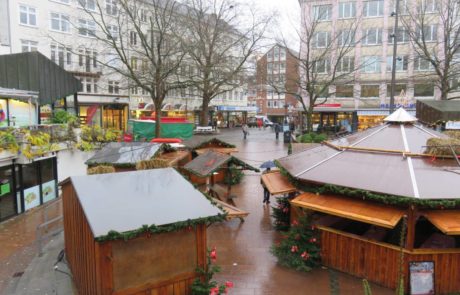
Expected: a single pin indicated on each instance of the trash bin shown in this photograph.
(287, 136)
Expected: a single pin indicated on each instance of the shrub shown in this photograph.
(312, 138)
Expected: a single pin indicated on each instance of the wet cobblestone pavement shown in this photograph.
(243, 249)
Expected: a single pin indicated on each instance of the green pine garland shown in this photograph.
(388, 199)
(281, 214)
(153, 229)
(300, 249)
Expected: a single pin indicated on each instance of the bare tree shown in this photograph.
(142, 44)
(221, 36)
(433, 27)
(326, 59)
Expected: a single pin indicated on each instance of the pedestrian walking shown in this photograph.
(259, 123)
(277, 130)
(266, 196)
(245, 130)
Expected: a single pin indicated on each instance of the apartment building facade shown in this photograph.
(274, 92)
(64, 32)
(368, 94)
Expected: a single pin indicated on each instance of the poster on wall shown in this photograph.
(31, 197)
(421, 277)
(49, 191)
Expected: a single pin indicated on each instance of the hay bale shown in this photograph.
(453, 134)
(101, 169)
(440, 146)
(151, 164)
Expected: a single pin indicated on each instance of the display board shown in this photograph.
(32, 197)
(421, 277)
(49, 191)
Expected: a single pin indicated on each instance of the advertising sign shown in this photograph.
(31, 197)
(453, 125)
(49, 191)
(421, 278)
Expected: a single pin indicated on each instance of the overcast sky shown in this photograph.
(289, 15)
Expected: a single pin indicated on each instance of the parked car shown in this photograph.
(252, 121)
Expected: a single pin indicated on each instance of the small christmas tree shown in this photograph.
(300, 248)
(281, 213)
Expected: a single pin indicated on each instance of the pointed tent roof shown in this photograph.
(384, 160)
(400, 116)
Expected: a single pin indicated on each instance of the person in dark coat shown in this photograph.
(277, 130)
(266, 191)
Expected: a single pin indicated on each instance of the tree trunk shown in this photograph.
(204, 113)
(310, 119)
(158, 120)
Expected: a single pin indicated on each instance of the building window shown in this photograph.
(428, 33)
(86, 28)
(422, 64)
(370, 90)
(398, 89)
(345, 38)
(347, 9)
(143, 15)
(423, 90)
(344, 91)
(114, 87)
(321, 66)
(322, 12)
(62, 1)
(134, 63)
(111, 7)
(373, 8)
(113, 32)
(28, 46)
(27, 15)
(88, 4)
(401, 63)
(346, 64)
(428, 6)
(89, 85)
(133, 38)
(372, 36)
(80, 57)
(69, 56)
(403, 7)
(58, 54)
(282, 54)
(322, 39)
(401, 35)
(60, 22)
(371, 64)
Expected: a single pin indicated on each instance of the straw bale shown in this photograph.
(151, 164)
(440, 146)
(453, 134)
(101, 169)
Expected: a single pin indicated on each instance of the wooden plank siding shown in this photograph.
(80, 246)
(379, 262)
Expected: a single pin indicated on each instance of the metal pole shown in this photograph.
(393, 69)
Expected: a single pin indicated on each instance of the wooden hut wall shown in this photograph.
(80, 246)
(202, 180)
(379, 262)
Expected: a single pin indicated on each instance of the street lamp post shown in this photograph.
(395, 49)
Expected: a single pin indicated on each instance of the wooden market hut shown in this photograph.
(362, 189)
(135, 232)
(277, 184)
(199, 144)
(209, 170)
(124, 156)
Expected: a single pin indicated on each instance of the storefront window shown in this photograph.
(3, 114)
(48, 180)
(31, 186)
(90, 115)
(46, 114)
(22, 113)
(7, 198)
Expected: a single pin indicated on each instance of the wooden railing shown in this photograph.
(379, 262)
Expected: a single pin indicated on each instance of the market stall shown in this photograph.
(150, 238)
(199, 144)
(366, 190)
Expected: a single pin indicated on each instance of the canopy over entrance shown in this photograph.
(277, 184)
(358, 210)
(32, 71)
(448, 221)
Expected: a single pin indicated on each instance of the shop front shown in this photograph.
(233, 116)
(26, 186)
(17, 108)
(368, 118)
(105, 115)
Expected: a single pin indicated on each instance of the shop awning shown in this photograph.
(232, 211)
(277, 184)
(448, 221)
(354, 209)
